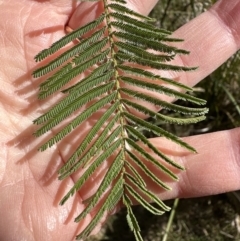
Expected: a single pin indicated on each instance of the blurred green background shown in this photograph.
(215, 218)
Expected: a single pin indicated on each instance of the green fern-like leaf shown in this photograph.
(111, 64)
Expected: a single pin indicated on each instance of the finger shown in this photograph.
(142, 6)
(88, 11)
(215, 169)
(211, 38)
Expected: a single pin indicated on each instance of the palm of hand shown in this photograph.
(30, 191)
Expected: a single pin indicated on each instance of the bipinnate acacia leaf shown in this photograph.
(84, 48)
(124, 10)
(111, 201)
(56, 84)
(110, 176)
(113, 63)
(147, 171)
(165, 118)
(140, 137)
(158, 131)
(69, 38)
(137, 176)
(76, 122)
(149, 75)
(150, 195)
(142, 201)
(131, 219)
(148, 157)
(92, 154)
(102, 140)
(90, 170)
(150, 33)
(161, 90)
(75, 105)
(165, 105)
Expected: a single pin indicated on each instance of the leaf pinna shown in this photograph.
(115, 66)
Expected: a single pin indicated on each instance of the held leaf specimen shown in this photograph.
(114, 57)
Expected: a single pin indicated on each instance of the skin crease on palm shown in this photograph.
(29, 189)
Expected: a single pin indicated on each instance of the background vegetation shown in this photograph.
(215, 218)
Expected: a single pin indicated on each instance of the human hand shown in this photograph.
(29, 189)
